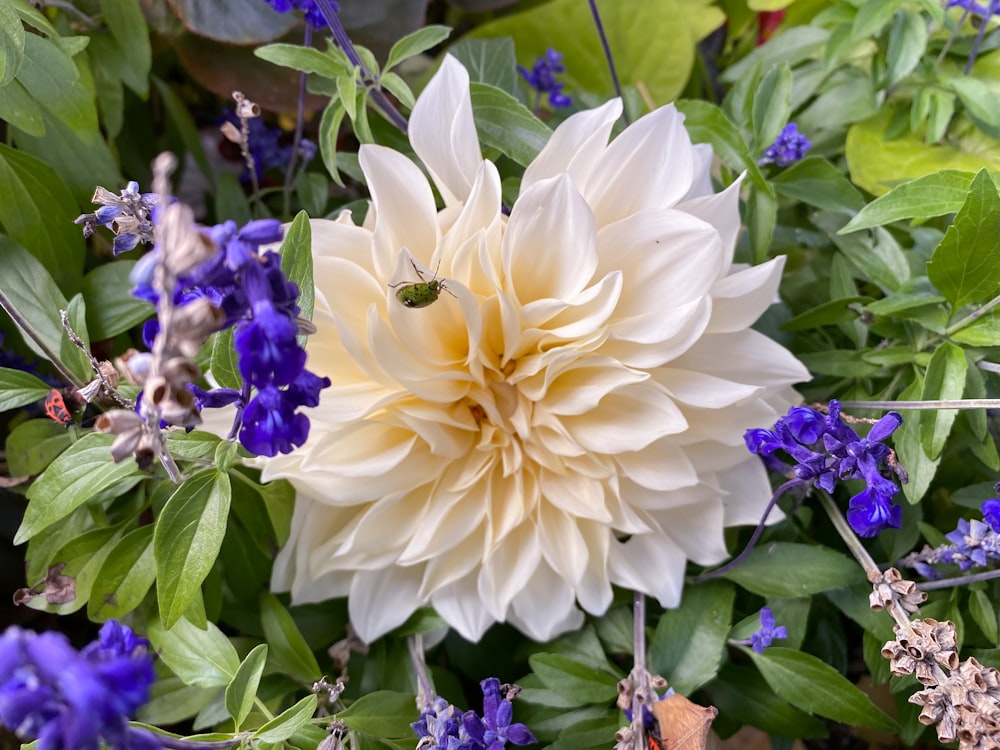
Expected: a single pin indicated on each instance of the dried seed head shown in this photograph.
(118, 421)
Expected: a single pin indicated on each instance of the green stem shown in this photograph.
(847, 533)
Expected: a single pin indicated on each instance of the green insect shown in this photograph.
(422, 293)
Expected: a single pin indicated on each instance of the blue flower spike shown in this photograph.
(542, 78)
(442, 727)
(789, 147)
(767, 632)
(826, 450)
(76, 700)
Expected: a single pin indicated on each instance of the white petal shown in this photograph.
(458, 603)
(509, 570)
(742, 297)
(702, 390)
(443, 132)
(748, 492)
(381, 600)
(546, 607)
(594, 592)
(701, 183)
(575, 146)
(627, 420)
(563, 546)
(661, 465)
(722, 211)
(651, 564)
(747, 356)
(405, 214)
(650, 165)
(697, 529)
(549, 248)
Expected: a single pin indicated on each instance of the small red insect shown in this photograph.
(55, 408)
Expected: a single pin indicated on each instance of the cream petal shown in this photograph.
(722, 212)
(456, 562)
(480, 218)
(546, 607)
(577, 388)
(627, 420)
(549, 249)
(701, 390)
(651, 564)
(406, 215)
(575, 146)
(345, 241)
(661, 465)
(577, 495)
(694, 318)
(443, 133)
(701, 183)
(669, 260)
(563, 546)
(509, 569)
(742, 297)
(748, 492)
(381, 600)
(448, 522)
(594, 592)
(746, 356)
(697, 529)
(458, 603)
(650, 165)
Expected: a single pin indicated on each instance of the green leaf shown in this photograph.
(197, 444)
(289, 649)
(878, 163)
(841, 363)
(128, 27)
(171, 702)
(80, 473)
(225, 364)
(304, 59)
(908, 445)
(111, 308)
(944, 380)
(19, 109)
(741, 694)
(983, 613)
(18, 388)
(242, 690)
(689, 644)
(187, 540)
(772, 105)
(288, 722)
(416, 42)
(761, 218)
(789, 570)
(980, 101)
(596, 732)
(31, 297)
(126, 576)
(398, 87)
(984, 331)
(383, 714)
(574, 680)
(33, 445)
(490, 61)
(872, 17)
(347, 90)
(329, 131)
(795, 44)
(82, 558)
(31, 197)
(178, 113)
(506, 124)
(204, 658)
(809, 684)
(879, 257)
(11, 43)
(965, 267)
(707, 123)
(50, 76)
(816, 182)
(907, 43)
(829, 313)
(297, 261)
(634, 26)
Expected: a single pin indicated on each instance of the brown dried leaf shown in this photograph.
(685, 725)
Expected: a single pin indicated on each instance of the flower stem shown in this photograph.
(973, 316)
(847, 533)
(425, 689)
(960, 403)
(756, 534)
(300, 115)
(609, 57)
(944, 583)
(974, 52)
(344, 42)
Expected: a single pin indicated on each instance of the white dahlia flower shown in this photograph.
(567, 415)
